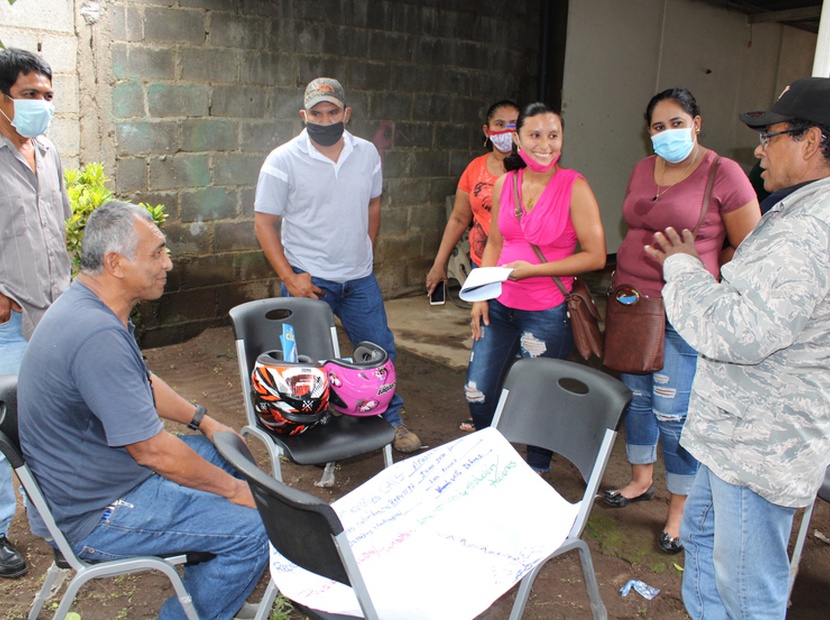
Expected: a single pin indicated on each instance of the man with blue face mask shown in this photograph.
(317, 216)
(34, 264)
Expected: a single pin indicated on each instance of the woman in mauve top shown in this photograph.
(667, 189)
(556, 208)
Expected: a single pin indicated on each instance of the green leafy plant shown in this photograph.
(87, 191)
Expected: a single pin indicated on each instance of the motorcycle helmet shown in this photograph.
(362, 387)
(289, 397)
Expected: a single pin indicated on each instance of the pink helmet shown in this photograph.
(365, 386)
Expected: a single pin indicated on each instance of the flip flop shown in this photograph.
(467, 426)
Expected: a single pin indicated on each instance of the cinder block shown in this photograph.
(139, 137)
(432, 107)
(134, 61)
(266, 68)
(211, 5)
(411, 134)
(202, 64)
(394, 222)
(186, 306)
(209, 134)
(179, 26)
(236, 102)
(253, 266)
(231, 236)
(130, 175)
(208, 271)
(390, 46)
(386, 105)
(169, 100)
(233, 169)
(453, 81)
(368, 75)
(207, 204)
(407, 191)
(128, 100)
(399, 163)
(185, 239)
(248, 197)
(258, 137)
(179, 171)
(239, 31)
(345, 41)
(451, 135)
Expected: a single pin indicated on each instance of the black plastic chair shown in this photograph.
(303, 528)
(257, 327)
(65, 557)
(574, 411)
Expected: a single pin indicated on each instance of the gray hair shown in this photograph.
(111, 228)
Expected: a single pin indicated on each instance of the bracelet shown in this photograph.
(197, 418)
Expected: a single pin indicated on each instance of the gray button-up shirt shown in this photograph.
(34, 264)
(759, 414)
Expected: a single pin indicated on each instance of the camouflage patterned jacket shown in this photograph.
(759, 414)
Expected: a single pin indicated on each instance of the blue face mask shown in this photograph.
(673, 145)
(31, 116)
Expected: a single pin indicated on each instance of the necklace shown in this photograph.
(532, 199)
(658, 193)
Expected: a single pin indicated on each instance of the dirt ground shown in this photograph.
(622, 541)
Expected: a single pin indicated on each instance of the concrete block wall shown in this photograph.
(201, 90)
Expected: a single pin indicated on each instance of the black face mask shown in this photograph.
(325, 135)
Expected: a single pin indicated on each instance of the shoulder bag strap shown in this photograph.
(707, 195)
(536, 249)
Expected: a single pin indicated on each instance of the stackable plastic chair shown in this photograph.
(257, 326)
(823, 493)
(574, 411)
(65, 557)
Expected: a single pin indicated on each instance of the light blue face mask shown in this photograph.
(673, 145)
(31, 116)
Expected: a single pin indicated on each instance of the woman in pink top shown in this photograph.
(475, 188)
(667, 189)
(556, 208)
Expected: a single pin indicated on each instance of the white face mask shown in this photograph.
(674, 145)
(502, 140)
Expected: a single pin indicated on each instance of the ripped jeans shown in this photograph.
(658, 411)
(529, 333)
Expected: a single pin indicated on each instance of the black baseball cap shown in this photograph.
(807, 99)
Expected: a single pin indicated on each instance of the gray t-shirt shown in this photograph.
(84, 393)
(324, 205)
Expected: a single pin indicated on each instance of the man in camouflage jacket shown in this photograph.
(759, 415)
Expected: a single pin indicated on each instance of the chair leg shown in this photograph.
(525, 585)
(597, 606)
(387, 455)
(45, 593)
(799, 546)
(267, 601)
(327, 479)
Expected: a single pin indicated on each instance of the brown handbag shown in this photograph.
(635, 325)
(582, 310)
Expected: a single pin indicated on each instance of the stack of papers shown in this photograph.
(484, 283)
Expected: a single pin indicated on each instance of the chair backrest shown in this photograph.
(259, 324)
(257, 327)
(562, 406)
(10, 446)
(300, 526)
(9, 440)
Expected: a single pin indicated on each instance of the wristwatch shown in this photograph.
(197, 418)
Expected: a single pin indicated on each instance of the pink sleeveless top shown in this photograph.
(547, 225)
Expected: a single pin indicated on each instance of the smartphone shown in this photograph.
(438, 297)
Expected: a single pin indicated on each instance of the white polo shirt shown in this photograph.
(324, 205)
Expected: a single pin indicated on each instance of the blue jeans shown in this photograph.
(359, 306)
(12, 346)
(161, 517)
(736, 565)
(529, 333)
(658, 411)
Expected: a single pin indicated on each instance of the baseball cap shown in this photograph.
(807, 99)
(324, 89)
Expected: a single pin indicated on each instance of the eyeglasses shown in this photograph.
(766, 136)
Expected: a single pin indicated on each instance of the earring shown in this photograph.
(486, 140)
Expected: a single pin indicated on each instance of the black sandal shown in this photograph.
(467, 426)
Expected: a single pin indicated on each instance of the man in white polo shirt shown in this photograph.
(317, 216)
